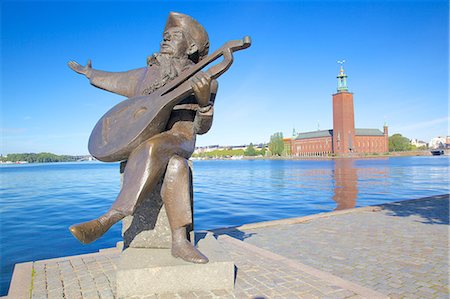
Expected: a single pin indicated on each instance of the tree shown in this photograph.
(39, 158)
(276, 144)
(399, 143)
(250, 150)
(263, 150)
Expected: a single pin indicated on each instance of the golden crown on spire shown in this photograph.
(341, 62)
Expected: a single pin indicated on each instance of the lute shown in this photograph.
(137, 119)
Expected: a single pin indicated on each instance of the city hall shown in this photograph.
(344, 139)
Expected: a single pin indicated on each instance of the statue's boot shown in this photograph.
(88, 232)
(185, 250)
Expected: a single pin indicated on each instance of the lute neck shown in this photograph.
(215, 71)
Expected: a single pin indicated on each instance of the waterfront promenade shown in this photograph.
(396, 250)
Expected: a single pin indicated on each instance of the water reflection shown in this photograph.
(277, 174)
(345, 184)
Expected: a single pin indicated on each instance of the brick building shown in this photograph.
(344, 139)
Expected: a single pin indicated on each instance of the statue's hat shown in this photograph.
(194, 31)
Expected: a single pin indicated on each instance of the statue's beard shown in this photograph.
(169, 68)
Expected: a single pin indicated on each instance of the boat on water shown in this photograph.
(437, 152)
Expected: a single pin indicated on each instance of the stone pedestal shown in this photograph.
(145, 271)
(149, 226)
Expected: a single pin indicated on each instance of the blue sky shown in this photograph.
(396, 56)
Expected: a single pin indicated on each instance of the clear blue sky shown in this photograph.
(396, 56)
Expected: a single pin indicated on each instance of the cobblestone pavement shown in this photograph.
(260, 274)
(401, 250)
(84, 276)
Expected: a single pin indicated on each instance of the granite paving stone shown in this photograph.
(256, 276)
(399, 251)
(404, 243)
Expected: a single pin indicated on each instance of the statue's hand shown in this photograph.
(85, 70)
(201, 84)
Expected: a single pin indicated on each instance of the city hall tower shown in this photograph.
(343, 140)
(343, 116)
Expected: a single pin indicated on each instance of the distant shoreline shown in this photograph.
(354, 156)
(44, 157)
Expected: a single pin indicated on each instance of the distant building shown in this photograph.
(440, 142)
(238, 147)
(210, 148)
(344, 139)
(418, 143)
(205, 149)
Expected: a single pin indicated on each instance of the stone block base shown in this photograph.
(149, 226)
(148, 271)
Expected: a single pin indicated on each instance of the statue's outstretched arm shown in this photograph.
(84, 70)
(123, 83)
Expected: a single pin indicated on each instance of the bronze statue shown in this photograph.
(154, 130)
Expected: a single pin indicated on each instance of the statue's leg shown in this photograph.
(145, 166)
(175, 193)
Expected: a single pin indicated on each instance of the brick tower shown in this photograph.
(386, 138)
(343, 117)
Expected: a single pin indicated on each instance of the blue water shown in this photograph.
(40, 201)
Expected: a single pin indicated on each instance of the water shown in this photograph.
(40, 201)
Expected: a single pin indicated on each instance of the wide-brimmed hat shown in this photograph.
(194, 31)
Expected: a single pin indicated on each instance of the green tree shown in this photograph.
(399, 143)
(276, 144)
(263, 150)
(39, 158)
(250, 151)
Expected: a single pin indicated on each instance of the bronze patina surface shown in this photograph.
(169, 102)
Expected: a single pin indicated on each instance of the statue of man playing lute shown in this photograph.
(169, 102)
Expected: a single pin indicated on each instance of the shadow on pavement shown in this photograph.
(233, 232)
(433, 210)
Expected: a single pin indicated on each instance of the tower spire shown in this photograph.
(342, 78)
